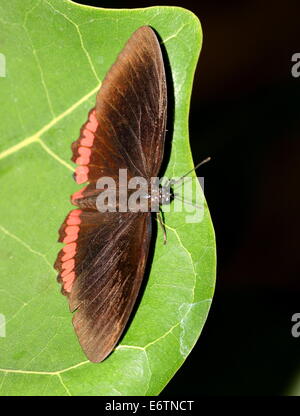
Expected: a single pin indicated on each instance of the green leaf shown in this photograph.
(56, 54)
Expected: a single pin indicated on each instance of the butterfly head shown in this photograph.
(163, 195)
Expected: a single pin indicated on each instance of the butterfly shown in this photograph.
(102, 263)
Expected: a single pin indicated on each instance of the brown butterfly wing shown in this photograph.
(102, 265)
(111, 273)
(128, 123)
(132, 102)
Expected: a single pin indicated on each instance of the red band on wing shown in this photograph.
(66, 260)
(81, 174)
(82, 148)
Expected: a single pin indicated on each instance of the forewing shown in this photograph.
(126, 129)
(132, 102)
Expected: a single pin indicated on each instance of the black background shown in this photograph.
(245, 114)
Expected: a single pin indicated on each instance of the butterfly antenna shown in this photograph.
(187, 202)
(194, 168)
(190, 171)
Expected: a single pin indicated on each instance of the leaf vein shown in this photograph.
(80, 39)
(63, 384)
(36, 136)
(48, 373)
(27, 246)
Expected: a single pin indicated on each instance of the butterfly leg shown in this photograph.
(160, 220)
